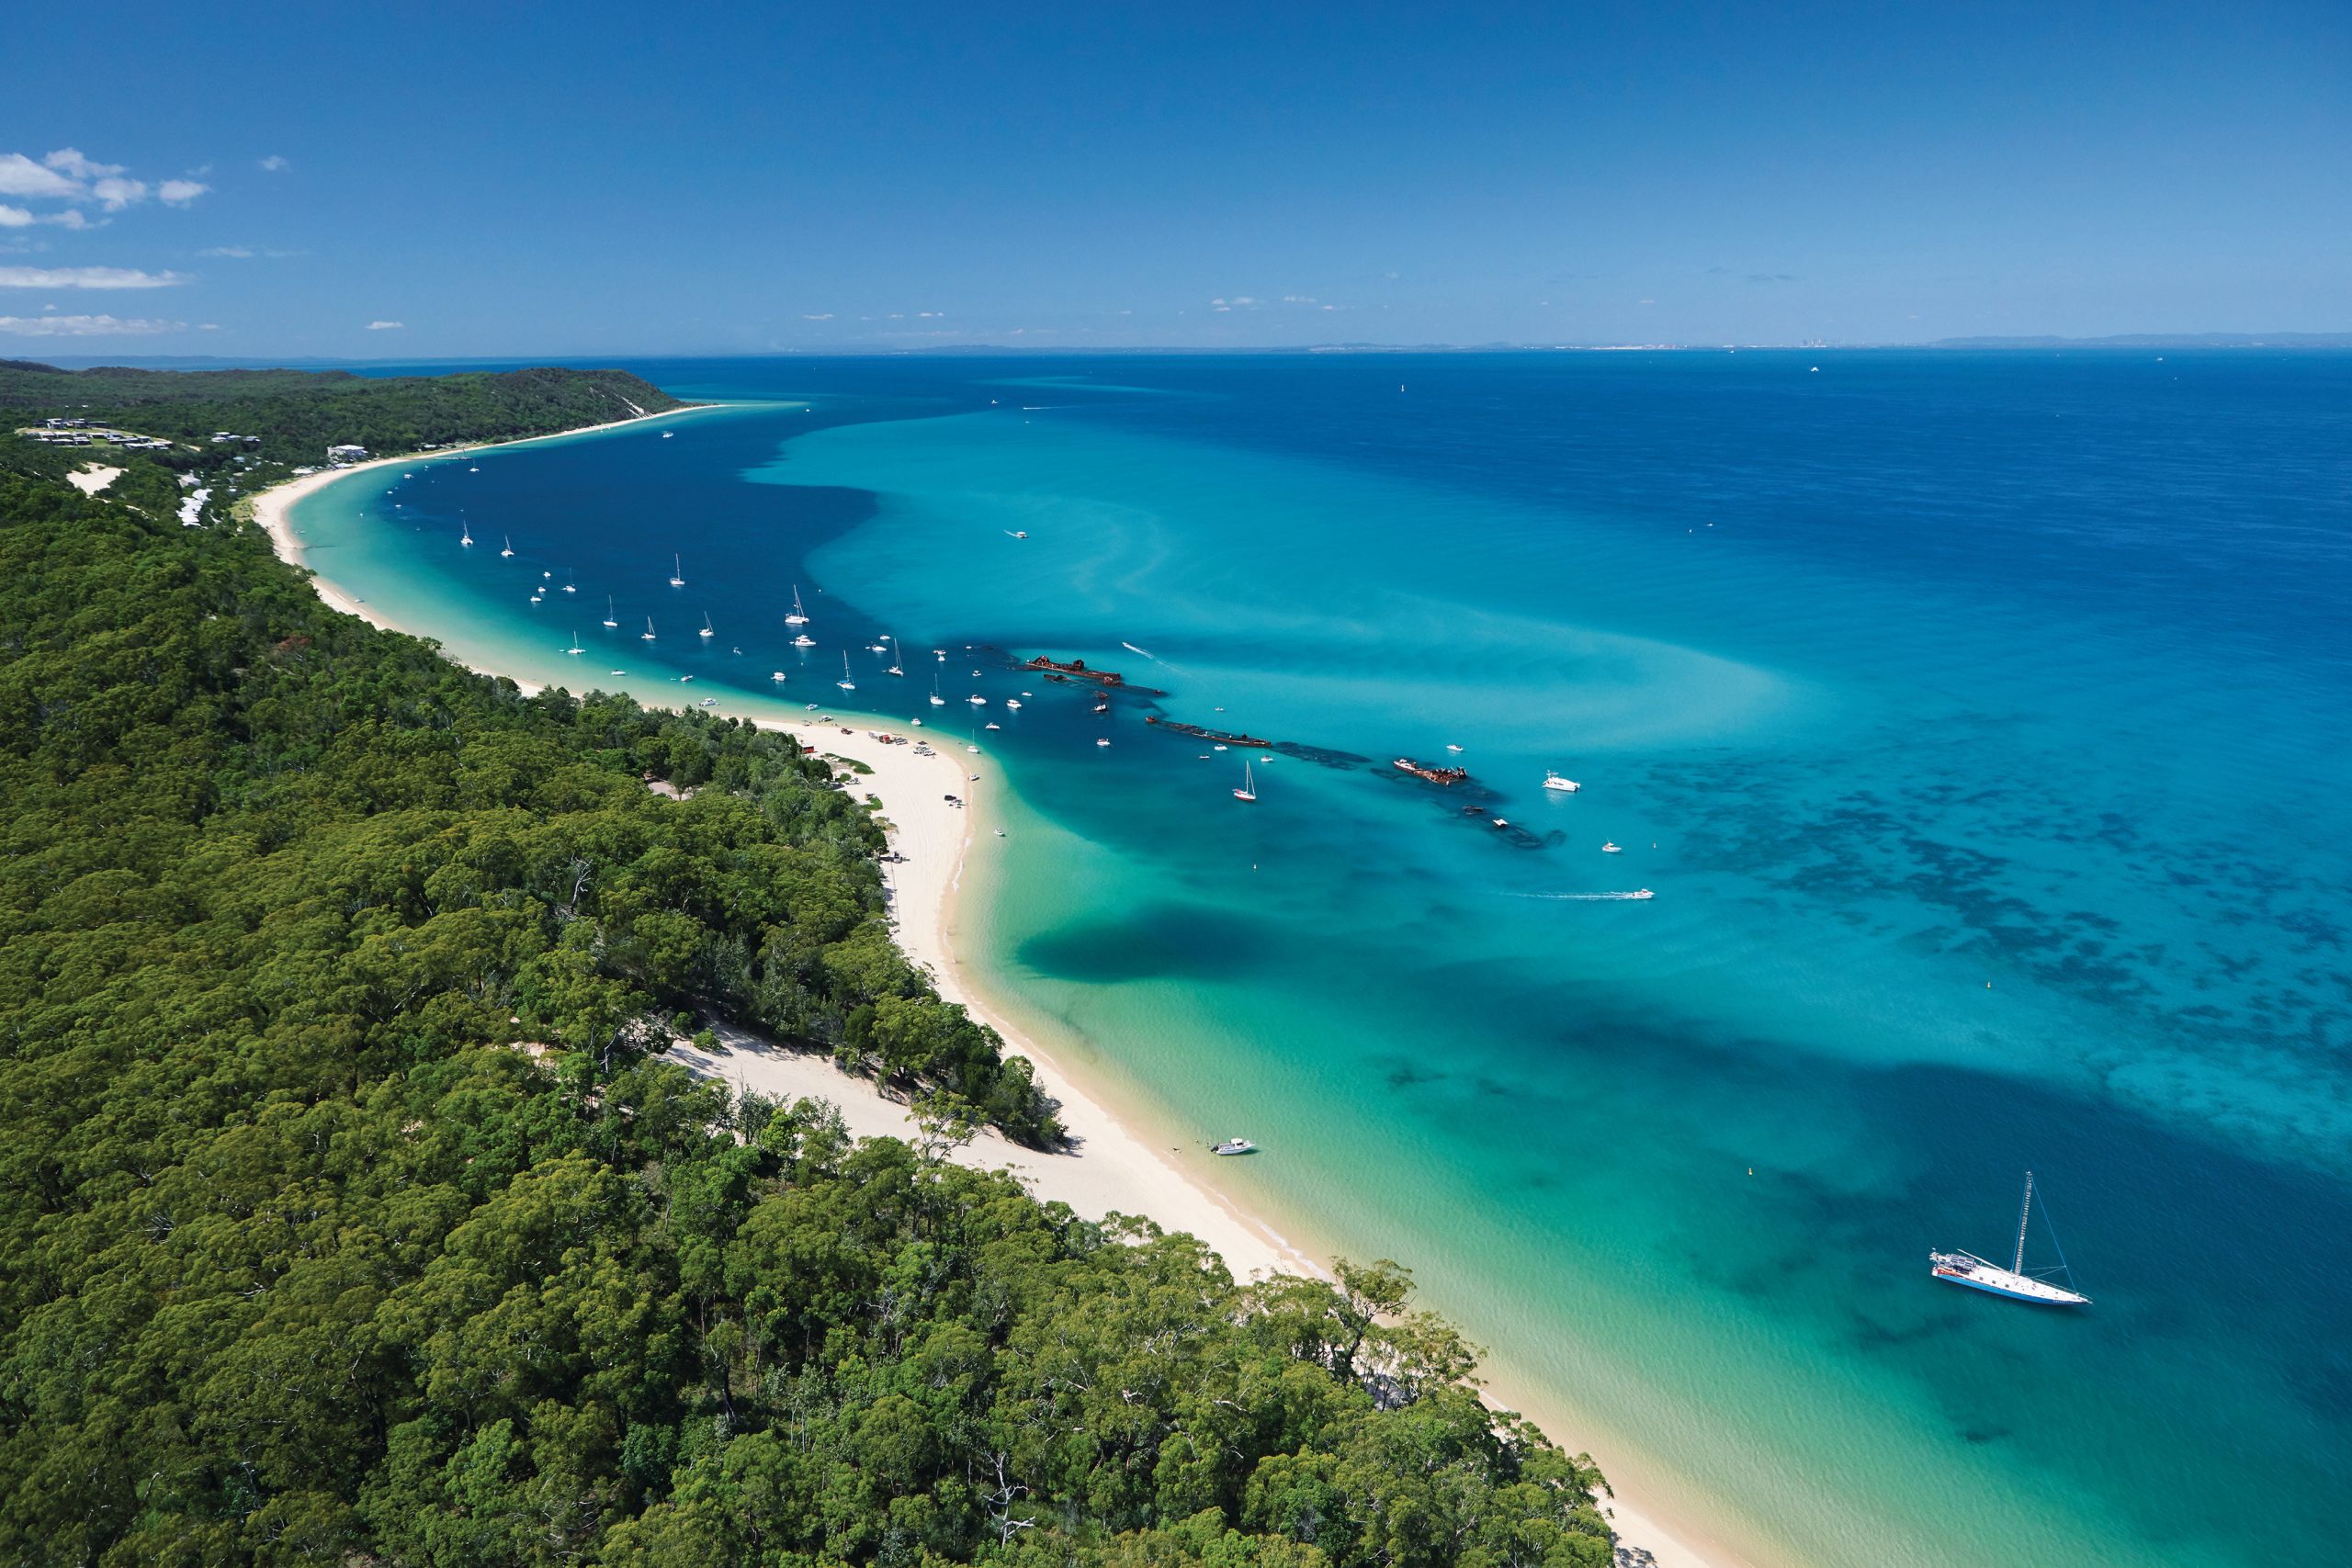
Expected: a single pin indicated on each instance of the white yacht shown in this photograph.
(1553, 780)
(707, 629)
(846, 683)
(677, 572)
(646, 635)
(465, 535)
(1608, 848)
(1248, 790)
(804, 640)
(609, 619)
(509, 550)
(1977, 1274)
(799, 617)
(1233, 1146)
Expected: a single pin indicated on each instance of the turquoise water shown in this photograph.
(1979, 722)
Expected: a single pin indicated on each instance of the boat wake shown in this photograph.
(1585, 897)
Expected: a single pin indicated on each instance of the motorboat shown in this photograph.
(1562, 786)
(1233, 1146)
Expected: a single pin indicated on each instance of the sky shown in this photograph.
(487, 181)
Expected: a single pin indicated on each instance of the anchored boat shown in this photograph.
(1979, 1274)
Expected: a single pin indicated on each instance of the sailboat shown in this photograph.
(465, 535)
(647, 635)
(846, 683)
(677, 572)
(575, 646)
(508, 552)
(570, 586)
(936, 700)
(707, 629)
(894, 668)
(799, 616)
(1977, 1274)
(1248, 790)
(609, 619)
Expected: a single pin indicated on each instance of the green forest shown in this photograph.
(351, 1211)
(300, 413)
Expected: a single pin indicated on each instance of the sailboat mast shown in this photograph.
(2024, 1215)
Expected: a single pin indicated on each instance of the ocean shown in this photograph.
(1979, 722)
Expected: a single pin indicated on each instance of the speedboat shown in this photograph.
(1454, 747)
(977, 700)
(1233, 1146)
(804, 640)
(1640, 893)
(1553, 780)
(993, 726)
(1101, 741)
(1503, 821)
(777, 676)
(1013, 701)
(1608, 848)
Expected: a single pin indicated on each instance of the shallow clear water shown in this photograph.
(1979, 722)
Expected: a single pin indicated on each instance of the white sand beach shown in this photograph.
(1110, 1166)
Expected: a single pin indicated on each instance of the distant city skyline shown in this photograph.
(307, 182)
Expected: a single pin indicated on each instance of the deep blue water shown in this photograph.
(1979, 720)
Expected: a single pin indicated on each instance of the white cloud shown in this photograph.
(85, 326)
(273, 163)
(20, 176)
(385, 326)
(85, 277)
(25, 217)
(236, 252)
(70, 161)
(114, 193)
(821, 316)
(71, 175)
(1298, 299)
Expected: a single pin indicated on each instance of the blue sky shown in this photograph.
(283, 180)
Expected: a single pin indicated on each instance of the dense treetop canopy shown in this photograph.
(351, 1210)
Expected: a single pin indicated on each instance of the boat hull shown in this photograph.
(1994, 1281)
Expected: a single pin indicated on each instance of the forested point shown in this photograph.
(352, 1213)
(297, 414)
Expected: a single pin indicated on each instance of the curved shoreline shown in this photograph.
(1112, 1166)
